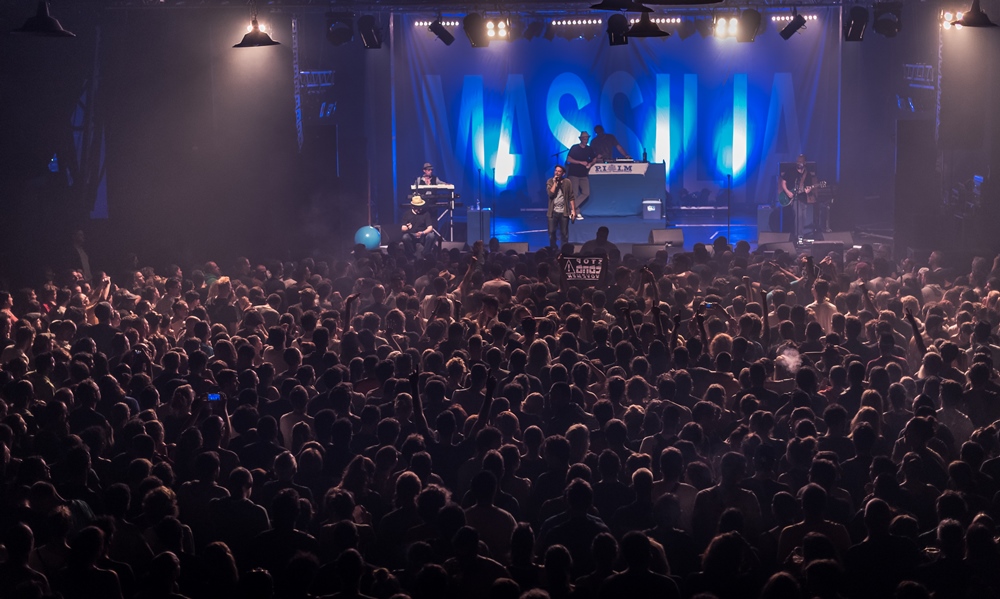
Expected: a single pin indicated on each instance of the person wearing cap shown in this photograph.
(581, 157)
(418, 229)
(428, 177)
(605, 145)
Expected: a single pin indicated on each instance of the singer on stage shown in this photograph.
(562, 205)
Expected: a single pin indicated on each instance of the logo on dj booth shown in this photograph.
(612, 168)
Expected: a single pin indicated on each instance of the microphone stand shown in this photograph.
(729, 209)
(493, 215)
(479, 203)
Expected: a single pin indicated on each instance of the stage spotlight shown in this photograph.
(618, 30)
(534, 29)
(646, 28)
(797, 22)
(748, 25)
(442, 34)
(888, 18)
(857, 23)
(255, 37)
(475, 30)
(974, 18)
(370, 32)
(721, 27)
(339, 28)
(43, 25)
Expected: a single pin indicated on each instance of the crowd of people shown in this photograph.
(717, 423)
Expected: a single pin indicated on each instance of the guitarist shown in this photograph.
(800, 185)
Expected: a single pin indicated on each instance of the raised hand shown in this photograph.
(491, 385)
(414, 381)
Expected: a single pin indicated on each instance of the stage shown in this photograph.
(699, 225)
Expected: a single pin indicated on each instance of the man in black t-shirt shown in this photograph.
(581, 158)
(418, 229)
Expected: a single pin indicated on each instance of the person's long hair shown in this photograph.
(357, 476)
(723, 557)
(538, 354)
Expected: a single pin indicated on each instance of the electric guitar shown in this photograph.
(784, 200)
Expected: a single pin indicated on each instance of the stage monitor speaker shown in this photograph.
(652, 209)
(786, 246)
(521, 247)
(821, 248)
(844, 237)
(447, 246)
(670, 237)
(767, 238)
(646, 251)
(763, 216)
(480, 224)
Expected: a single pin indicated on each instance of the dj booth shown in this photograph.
(618, 188)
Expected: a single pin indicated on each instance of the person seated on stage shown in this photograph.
(418, 229)
(428, 177)
(605, 145)
(600, 245)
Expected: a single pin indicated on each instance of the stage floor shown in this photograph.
(532, 227)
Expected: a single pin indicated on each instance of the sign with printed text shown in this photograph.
(619, 168)
(583, 270)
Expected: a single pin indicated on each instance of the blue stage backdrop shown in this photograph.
(706, 107)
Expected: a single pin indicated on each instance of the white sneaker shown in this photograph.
(579, 217)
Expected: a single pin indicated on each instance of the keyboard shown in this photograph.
(446, 187)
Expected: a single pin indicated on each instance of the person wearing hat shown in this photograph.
(418, 229)
(428, 177)
(581, 157)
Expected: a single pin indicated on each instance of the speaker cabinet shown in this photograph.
(645, 251)
(480, 224)
(767, 238)
(520, 247)
(669, 237)
(844, 237)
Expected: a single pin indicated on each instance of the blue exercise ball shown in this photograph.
(368, 237)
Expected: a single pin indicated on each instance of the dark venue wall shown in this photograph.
(202, 147)
(45, 104)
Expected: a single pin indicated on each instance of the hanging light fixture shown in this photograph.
(618, 30)
(43, 24)
(646, 28)
(256, 37)
(975, 17)
(621, 5)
